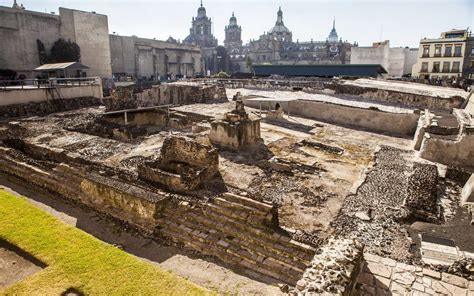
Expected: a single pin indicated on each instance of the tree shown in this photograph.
(248, 63)
(43, 56)
(64, 51)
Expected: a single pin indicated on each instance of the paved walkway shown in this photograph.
(383, 276)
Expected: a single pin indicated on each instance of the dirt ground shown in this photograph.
(202, 271)
(307, 201)
(13, 266)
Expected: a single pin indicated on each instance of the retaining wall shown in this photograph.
(397, 124)
(11, 96)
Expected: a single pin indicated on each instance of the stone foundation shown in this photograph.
(184, 165)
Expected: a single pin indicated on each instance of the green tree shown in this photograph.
(43, 56)
(248, 62)
(64, 51)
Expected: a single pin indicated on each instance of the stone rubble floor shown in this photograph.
(384, 276)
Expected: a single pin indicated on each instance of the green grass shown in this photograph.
(77, 259)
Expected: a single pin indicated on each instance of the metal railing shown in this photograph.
(48, 83)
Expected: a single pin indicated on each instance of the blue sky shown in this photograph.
(403, 22)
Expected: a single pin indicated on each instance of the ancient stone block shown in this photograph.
(236, 130)
(183, 165)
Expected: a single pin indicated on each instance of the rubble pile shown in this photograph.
(333, 271)
(422, 191)
(376, 214)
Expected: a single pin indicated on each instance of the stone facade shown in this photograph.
(153, 59)
(20, 29)
(200, 34)
(277, 47)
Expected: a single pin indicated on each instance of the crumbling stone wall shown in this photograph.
(167, 94)
(400, 98)
(449, 146)
(334, 270)
(183, 165)
(47, 107)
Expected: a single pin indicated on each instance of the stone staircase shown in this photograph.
(237, 230)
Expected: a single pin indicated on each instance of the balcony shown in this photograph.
(424, 71)
(437, 55)
(457, 54)
(455, 71)
(425, 55)
(446, 71)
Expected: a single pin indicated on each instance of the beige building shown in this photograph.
(21, 29)
(149, 59)
(398, 61)
(450, 56)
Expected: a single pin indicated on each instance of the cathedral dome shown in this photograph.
(279, 25)
(201, 11)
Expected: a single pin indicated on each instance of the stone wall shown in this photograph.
(47, 107)
(401, 97)
(165, 94)
(397, 124)
(183, 165)
(333, 271)
(452, 149)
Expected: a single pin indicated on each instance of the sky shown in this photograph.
(403, 22)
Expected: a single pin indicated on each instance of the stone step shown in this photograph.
(240, 208)
(257, 243)
(264, 207)
(263, 231)
(230, 252)
(278, 242)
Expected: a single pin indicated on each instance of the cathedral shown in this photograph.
(275, 47)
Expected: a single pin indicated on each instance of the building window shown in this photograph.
(448, 51)
(446, 67)
(455, 68)
(426, 51)
(472, 51)
(437, 52)
(457, 50)
(471, 65)
(435, 67)
(424, 67)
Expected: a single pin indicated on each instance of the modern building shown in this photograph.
(276, 47)
(398, 61)
(450, 56)
(151, 59)
(369, 70)
(22, 31)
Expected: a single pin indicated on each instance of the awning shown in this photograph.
(62, 66)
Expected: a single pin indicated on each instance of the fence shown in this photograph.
(48, 83)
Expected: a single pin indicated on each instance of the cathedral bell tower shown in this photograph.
(233, 34)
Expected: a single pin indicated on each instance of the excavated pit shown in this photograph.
(263, 200)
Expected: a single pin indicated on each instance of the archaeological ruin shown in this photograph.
(306, 187)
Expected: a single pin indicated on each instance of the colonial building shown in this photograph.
(277, 47)
(200, 34)
(398, 61)
(450, 56)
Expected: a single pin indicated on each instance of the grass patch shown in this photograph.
(77, 260)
